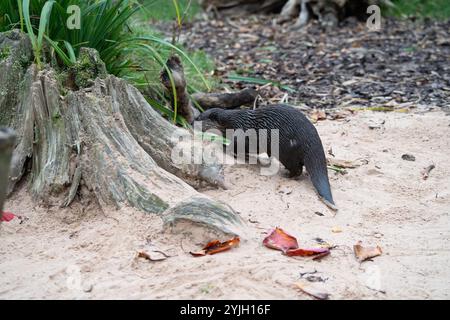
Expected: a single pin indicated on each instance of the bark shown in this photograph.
(106, 139)
(15, 96)
(225, 100)
(185, 108)
(7, 138)
(328, 12)
(204, 100)
(242, 7)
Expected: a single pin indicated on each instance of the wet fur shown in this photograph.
(300, 144)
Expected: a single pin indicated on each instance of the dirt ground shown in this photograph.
(406, 61)
(85, 253)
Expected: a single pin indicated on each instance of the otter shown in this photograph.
(300, 144)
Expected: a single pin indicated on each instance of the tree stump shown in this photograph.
(105, 139)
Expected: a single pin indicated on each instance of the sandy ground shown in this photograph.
(85, 253)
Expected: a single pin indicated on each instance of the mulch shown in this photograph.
(406, 62)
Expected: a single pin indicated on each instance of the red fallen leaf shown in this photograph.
(216, 246)
(303, 252)
(280, 240)
(7, 216)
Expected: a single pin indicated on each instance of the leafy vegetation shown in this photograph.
(118, 29)
(170, 10)
(436, 9)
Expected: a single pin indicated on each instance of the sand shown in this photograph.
(83, 253)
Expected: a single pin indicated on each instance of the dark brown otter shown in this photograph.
(299, 143)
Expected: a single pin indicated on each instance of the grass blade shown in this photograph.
(169, 72)
(71, 52)
(30, 31)
(178, 13)
(181, 52)
(44, 22)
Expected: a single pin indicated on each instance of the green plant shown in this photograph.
(130, 48)
(37, 42)
(170, 10)
(436, 9)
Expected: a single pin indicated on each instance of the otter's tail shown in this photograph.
(316, 165)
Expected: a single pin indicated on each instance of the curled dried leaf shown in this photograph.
(216, 246)
(346, 164)
(280, 240)
(313, 290)
(364, 253)
(159, 256)
(317, 115)
(303, 252)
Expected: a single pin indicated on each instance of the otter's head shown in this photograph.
(210, 119)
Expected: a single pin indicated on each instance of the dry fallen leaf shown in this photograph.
(317, 115)
(153, 256)
(303, 252)
(313, 290)
(364, 253)
(336, 230)
(280, 240)
(216, 246)
(346, 163)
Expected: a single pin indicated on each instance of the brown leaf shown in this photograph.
(303, 252)
(152, 256)
(200, 253)
(317, 115)
(313, 291)
(280, 240)
(216, 246)
(346, 163)
(364, 253)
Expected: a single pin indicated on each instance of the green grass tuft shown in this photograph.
(158, 10)
(434, 9)
(120, 30)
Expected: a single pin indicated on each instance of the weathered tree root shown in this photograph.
(185, 108)
(241, 7)
(225, 100)
(102, 138)
(328, 12)
(157, 136)
(215, 215)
